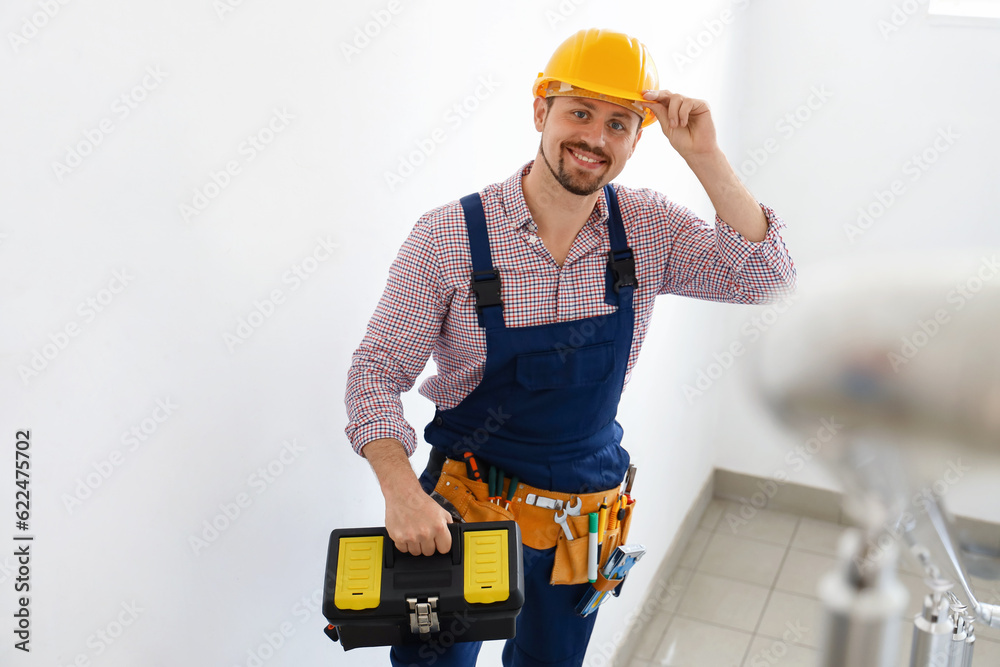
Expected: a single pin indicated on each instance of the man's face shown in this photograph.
(585, 142)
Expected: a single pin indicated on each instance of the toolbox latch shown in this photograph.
(423, 615)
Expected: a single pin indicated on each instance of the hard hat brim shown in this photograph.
(622, 98)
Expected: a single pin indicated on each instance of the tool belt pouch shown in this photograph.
(572, 557)
(470, 498)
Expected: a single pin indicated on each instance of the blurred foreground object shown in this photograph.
(907, 358)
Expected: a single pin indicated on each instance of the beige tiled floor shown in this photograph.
(744, 594)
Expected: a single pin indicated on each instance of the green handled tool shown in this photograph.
(511, 490)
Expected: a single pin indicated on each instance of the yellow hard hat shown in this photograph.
(609, 65)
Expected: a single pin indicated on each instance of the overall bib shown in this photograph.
(545, 412)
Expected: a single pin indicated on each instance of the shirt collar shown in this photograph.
(518, 214)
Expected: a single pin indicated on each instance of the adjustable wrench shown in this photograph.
(560, 518)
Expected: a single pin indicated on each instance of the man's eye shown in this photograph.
(618, 126)
(580, 114)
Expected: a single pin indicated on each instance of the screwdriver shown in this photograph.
(511, 490)
(493, 484)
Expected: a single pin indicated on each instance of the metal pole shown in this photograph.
(932, 631)
(863, 605)
(970, 645)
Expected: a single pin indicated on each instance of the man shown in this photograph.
(534, 298)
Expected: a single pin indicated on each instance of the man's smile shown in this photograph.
(585, 158)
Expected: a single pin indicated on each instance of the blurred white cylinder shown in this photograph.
(863, 604)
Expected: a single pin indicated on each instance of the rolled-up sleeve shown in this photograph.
(397, 343)
(715, 262)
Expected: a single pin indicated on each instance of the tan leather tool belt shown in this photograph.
(539, 530)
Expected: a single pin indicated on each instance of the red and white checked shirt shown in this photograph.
(428, 306)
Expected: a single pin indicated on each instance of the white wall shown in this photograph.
(114, 518)
(890, 94)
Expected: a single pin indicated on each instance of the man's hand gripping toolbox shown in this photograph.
(376, 595)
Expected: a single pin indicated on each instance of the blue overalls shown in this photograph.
(544, 411)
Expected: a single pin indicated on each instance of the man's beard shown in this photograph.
(577, 186)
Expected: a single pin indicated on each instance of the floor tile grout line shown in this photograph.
(694, 570)
(714, 528)
(714, 624)
(751, 538)
(767, 600)
(680, 601)
(745, 582)
(673, 614)
(788, 547)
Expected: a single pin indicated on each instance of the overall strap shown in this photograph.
(485, 278)
(620, 281)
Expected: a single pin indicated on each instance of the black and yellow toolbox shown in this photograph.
(376, 595)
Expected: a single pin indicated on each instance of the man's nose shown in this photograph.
(593, 134)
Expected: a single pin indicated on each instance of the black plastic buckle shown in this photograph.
(622, 270)
(487, 289)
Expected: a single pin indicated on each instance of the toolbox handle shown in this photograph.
(457, 529)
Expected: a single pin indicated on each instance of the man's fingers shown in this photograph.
(674, 110)
(430, 536)
(428, 548)
(685, 111)
(443, 541)
(657, 95)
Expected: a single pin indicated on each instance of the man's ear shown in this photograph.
(540, 110)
